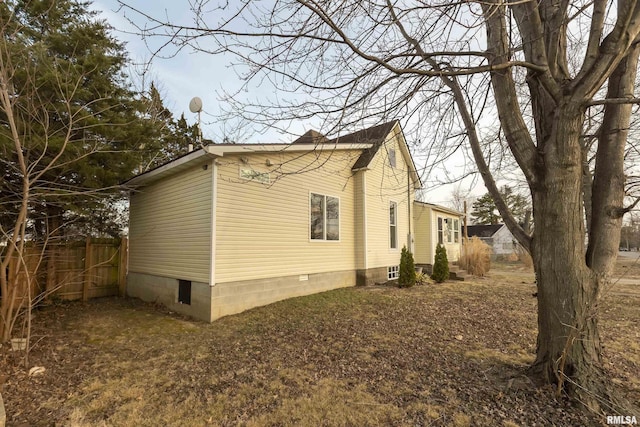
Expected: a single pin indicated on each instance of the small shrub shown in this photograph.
(421, 279)
(512, 257)
(476, 257)
(441, 265)
(407, 273)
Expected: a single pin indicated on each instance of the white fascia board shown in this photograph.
(221, 150)
(441, 209)
(166, 169)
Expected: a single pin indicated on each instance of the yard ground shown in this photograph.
(453, 354)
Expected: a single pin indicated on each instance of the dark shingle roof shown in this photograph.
(374, 135)
(311, 137)
(483, 230)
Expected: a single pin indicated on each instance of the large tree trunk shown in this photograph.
(568, 348)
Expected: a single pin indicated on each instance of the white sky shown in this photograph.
(190, 74)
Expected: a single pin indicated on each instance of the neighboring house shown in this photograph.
(234, 226)
(436, 224)
(497, 236)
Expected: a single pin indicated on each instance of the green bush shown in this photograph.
(407, 274)
(441, 265)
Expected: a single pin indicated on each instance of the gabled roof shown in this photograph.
(375, 135)
(311, 137)
(483, 230)
(368, 140)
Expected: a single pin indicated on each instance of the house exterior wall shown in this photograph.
(164, 290)
(360, 212)
(503, 242)
(425, 242)
(386, 184)
(453, 248)
(427, 236)
(235, 297)
(170, 239)
(170, 226)
(263, 229)
(240, 229)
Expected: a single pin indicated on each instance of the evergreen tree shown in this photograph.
(407, 274)
(72, 107)
(167, 138)
(441, 265)
(484, 210)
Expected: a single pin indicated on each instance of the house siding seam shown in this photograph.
(170, 227)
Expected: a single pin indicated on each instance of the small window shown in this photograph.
(393, 272)
(448, 229)
(440, 230)
(393, 225)
(325, 217)
(456, 230)
(184, 292)
(392, 158)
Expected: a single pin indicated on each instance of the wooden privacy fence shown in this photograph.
(73, 270)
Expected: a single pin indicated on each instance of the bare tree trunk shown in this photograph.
(609, 178)
(568, 347)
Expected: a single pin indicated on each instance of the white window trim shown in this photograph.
(456, 230)
(440, 220)
(393, 272)
(325, 219)
(392, 155)
(396, 249)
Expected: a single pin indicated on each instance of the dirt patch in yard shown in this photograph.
(449, 354)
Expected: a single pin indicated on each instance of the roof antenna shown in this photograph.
(195, 106)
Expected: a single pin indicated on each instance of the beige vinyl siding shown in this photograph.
(262, 230)
(170, 226)
(384, 185)
(423, 234)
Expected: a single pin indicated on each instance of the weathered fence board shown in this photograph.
(73, 270)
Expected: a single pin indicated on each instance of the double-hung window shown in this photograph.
(456, 230)
(441, 230)
(325, 217)
(393, 225)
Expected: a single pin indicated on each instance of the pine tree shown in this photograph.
(485, 210)
(407, 274)
(440, 265)
(72, 105)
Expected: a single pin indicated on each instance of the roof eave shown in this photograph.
(166, 169)
(441, 208)
(221, 150)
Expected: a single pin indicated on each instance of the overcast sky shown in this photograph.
(188, 74)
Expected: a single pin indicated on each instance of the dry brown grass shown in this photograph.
(475, 257)
(524, 257)
(430, 355)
